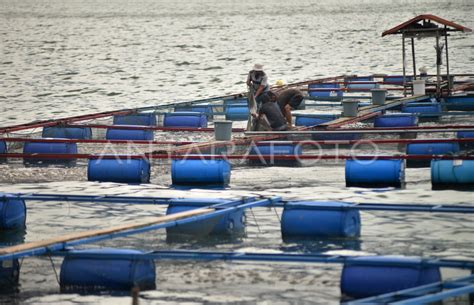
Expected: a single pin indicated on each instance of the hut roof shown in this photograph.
(425, 24)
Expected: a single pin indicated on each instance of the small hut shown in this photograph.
(427, 26)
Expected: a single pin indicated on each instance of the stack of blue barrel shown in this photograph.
(124, 170)
(325, 92)
(136, 120)
(56, 132)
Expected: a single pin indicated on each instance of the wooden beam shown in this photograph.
(404, 66)
(94, 233)
(413, 57)
(447, 65)
(369, 111)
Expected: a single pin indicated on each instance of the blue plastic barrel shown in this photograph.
(129, 134)
(238, 101)
(314, 219)
(206, 109)
(429, 149)
(452, 174)
(366, 280)
(359, 78)
(67, 132)
(397, 79)
(429, 110)
(396, 120)
(376, 173)
(236, 109)
(237, 112)
(49, 148)
(81, 272)
(185, 119)
(3, 150)
(336, 136)
(12, 212)
(460, 103)
(313, 119)
(200, 172)
(228, 224)
(275, 150)
(332, 95)
(140, 119)
(352, 82)
(119, 170)
(466, 135)
(9, 276)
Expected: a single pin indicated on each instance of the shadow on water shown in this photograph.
(10, 269)
(203, 187)
(12, 237)
(200, 241)
(308, 246)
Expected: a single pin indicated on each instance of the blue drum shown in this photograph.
(228, 224)
(12, 213)
(313, 119)
(375, 173)
(133, 171)
(429, 149)
(58, 132)
(335, 94)
(129, 134)
(466, 135)
(452, 174)
(275, 150)
(185, 119)
(200, 172)
(137, 119)
(49, 148)
(81, 272)
(371, 279)
(396, 120)
(319, 219)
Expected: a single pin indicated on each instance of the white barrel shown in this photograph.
(223, 130)
(349, 108)
(419, 87)
(378, 96)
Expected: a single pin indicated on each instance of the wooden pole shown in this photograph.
(93, 233)
(438, 66)
(447, 60)
(404, 65)
(413, 56)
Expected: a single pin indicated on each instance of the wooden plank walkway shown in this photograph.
(101, 232)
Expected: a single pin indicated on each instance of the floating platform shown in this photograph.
(372, 148)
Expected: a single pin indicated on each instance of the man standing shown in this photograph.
(258, 80)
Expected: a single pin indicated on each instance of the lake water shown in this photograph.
(62, 58)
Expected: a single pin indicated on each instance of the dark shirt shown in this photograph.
(273, 114)
(289, 95)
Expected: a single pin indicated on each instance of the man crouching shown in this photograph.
(269, 115)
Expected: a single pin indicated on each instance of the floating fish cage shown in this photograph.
(174, 146)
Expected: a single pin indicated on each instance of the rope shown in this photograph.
(54, 268)
(255, 219)
(276, 213)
